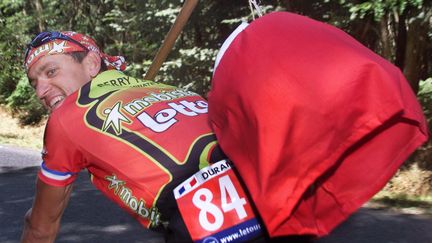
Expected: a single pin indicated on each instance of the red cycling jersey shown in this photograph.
(138, 139)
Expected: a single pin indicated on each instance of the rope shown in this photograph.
(253, 5)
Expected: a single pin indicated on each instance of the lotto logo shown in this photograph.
(166, 118)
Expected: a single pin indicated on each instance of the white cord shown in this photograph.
(254, 5)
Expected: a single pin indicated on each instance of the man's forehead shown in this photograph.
(43, 63)
(39, 65)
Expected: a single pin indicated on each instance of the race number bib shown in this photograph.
(214, 206)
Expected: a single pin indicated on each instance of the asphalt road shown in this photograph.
(13, 157)
(92, 218)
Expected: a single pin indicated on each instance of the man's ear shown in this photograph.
(92, 63)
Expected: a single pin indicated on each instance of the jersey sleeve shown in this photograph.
(62, 160)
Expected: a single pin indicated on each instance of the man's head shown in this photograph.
(59, 63)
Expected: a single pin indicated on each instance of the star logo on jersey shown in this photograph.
(114, 182)
(114, 118)
(58, 48)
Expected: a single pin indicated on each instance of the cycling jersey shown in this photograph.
(138, 139)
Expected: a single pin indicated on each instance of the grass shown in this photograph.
(11, 133)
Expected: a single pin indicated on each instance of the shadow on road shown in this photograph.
(375, 225)
(90, 217)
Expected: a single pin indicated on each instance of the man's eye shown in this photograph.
(50, 72)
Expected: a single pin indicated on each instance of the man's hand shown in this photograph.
(42, 221)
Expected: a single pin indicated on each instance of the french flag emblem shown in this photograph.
(185, 187)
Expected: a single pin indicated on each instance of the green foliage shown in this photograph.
(378, 8)
(24, 103)
(425, 97)
(425, 90)
(12, 25)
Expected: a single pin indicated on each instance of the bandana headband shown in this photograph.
(70, 42)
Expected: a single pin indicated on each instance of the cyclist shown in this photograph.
(138, 139)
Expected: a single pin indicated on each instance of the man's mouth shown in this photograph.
(55, 102)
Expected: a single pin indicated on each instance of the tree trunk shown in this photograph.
(415, 56)
(401, 41)
(39, 14)
(386, 38)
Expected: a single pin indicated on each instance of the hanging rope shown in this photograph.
(255, 8)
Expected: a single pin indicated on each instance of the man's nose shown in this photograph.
(42, 88)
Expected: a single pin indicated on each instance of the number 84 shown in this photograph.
(202, 199)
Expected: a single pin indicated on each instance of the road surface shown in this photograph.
(90, 217)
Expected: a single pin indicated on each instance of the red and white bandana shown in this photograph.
(59, 46)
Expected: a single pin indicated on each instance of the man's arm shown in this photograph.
(42, 221)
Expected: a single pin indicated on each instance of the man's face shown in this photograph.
(55, 77)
